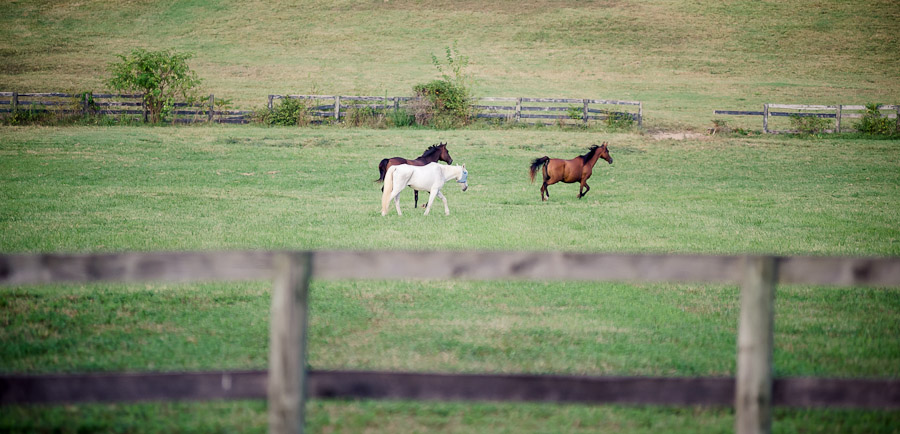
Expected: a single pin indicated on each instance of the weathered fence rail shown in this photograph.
(836, 112)
(115, 105)
(287, 383)
(565, 110)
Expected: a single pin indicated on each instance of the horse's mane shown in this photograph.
(431, 149)
(590, 154)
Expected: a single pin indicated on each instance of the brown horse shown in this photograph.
(578, 169)
(433, 154)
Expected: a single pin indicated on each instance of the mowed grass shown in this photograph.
(682, 58)
(210, 188)
(110, 189)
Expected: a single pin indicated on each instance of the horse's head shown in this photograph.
(463, 178)
(604, 153)
(445, 156)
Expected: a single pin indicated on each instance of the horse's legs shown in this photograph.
(431, 197)
(397, 203)
(415, 199)
(587, 188)
(544, 191)
(395, 196)
(443, 198)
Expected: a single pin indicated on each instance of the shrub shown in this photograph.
(401, 118)
(289, 112)
(29, 116)
(873, 122)
(809, 124)
(619, 121)
(160, 75)
(444, 99)
(447, 100)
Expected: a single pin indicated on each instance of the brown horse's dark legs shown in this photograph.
(583, 189)
(544, 191)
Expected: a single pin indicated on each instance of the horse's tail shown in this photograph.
(382, 167)
(538, 162)
(388, 188)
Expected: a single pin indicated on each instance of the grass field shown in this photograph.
(682, 58)
(82, 189)
(102, 189)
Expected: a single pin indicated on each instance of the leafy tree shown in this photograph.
(446, 101)
(160, 75)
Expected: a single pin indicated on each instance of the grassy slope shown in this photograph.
(682, 58)
(102, 189)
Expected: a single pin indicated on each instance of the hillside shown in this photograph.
(682, 58)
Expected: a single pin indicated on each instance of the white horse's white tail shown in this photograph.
(388, 189)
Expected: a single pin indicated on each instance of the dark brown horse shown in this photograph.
(578, 169)
(433, 154)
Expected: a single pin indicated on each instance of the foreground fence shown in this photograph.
(836, 112)
(287, 383)
(115, 105)
(556, 110)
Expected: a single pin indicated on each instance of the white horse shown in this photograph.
(430, 177)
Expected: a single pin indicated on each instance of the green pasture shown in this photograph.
(682, 58)
(103, 189)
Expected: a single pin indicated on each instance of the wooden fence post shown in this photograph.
(584, 113)
(518, 109)
(287, 342)
(640, 115)
(144, 107)
(898, 116)
(15, 102)
(85, 103)
(837, 118)
(212, 107)
(337, 108)
(396, 103)
(271, 97)
(753, 391)
(765, 118)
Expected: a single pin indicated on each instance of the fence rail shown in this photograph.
(566, 110)
(753, 391)
(115, 105)
(836, 112)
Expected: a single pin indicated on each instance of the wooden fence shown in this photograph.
(115, 105)
(287, 383)
(836, 112)
(557, 110)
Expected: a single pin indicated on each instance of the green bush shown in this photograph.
(873, 122)
(445, 99)
(401, 118)
(30, 116)
(809, 124)
(289, 112)
(619, 121)
(365, 117)
(160, 76)
(445, 102)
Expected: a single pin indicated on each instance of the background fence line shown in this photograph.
(836, 112)
(514, 110)
(753, 391)
(324, 107)
(117, 105)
